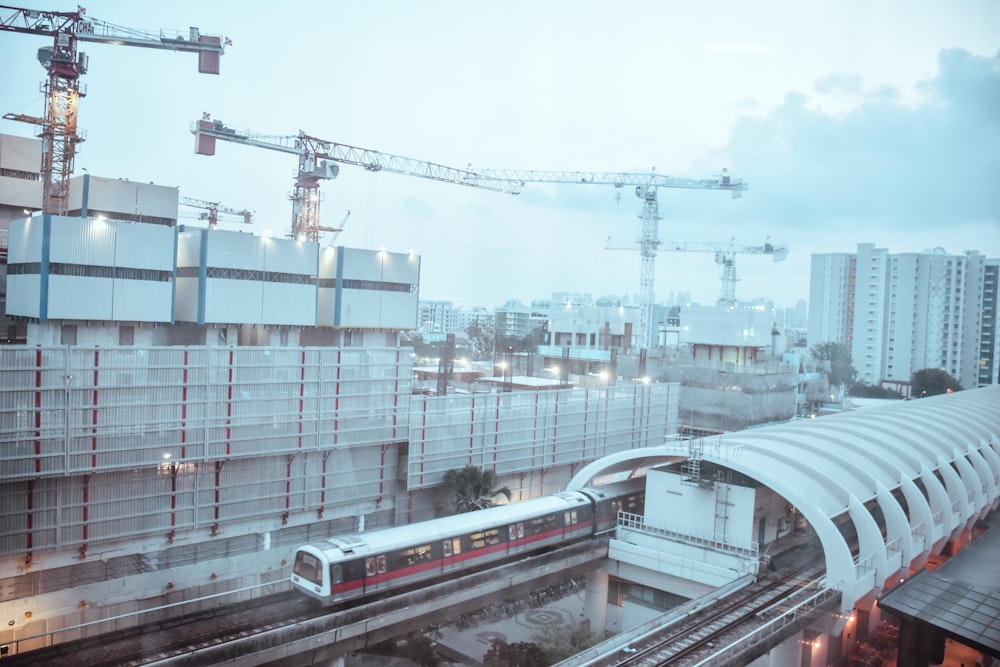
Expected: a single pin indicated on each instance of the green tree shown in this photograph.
(518, 654)
(473, 488)
(931, 382)
(839, 358)
(559, 642)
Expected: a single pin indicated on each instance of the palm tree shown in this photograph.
(473, 488)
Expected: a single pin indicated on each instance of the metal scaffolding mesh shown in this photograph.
(515, 432)
(101, 445)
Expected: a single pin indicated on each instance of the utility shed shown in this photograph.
(368, 289)
(90, 269)
(229, 277)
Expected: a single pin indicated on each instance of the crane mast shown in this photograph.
(646, 186)
(725, 256)
(319, 159)
(212, 209)
(65, 65)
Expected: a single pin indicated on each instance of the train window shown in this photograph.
(569, 518)
(512, 532)
(543, 523)
(370, 567)
(520, 530)
(417, 554)
(307, 566)
(456, 546)
(485, 538)
(381, 564)
(573, 516)
(336, 574)
(447, 548)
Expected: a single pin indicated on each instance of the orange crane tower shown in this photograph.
(319, 159)
(65, 65)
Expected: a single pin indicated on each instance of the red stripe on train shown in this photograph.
(380, 579)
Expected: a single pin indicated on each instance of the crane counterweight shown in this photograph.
(65, 63)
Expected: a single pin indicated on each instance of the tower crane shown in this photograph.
(212, 209)
(646, 186)
(65, 65)
(725, 256)
(319, 159)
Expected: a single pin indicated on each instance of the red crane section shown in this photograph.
(65, 64)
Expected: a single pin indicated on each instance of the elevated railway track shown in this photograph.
(288, 626)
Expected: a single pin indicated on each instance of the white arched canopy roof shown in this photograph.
(940, 454)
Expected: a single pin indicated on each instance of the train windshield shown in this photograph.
(308, 567)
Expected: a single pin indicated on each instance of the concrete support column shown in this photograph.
(788, 652)
(595, 603)
(912, 645)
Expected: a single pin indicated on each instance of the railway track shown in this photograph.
(227, 631)
(705, 630)
(173, 636)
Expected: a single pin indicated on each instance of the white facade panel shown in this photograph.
(233, 250)
(134, 201)
(399, 310)
(20, 154)
(20, 192)
(400, 267)
(743, 327)
(188, 247)
(287, 256)
(23, 296)
(360, 309)
(233, 301)
(82, 241)
(142, 300)
(25, 240)
(142, 246)
(80, 298)
(186, 300)
(359, 264)
(288, 304)
(326, 307)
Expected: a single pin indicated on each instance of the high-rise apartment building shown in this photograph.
(900, 313)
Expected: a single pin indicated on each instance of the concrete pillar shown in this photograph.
(788, 652)
(912, 645)
(595, 603)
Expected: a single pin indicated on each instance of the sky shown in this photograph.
(852, 121)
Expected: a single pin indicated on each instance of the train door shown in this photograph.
(451, 553)
(375, 568)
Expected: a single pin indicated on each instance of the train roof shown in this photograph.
(438, 529)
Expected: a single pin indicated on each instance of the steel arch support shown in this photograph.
(921, 521)
(940, 506)
(840, 570)
(959, 495)
(974, 485)
(992, 459)
(897, 529)
(871, 548)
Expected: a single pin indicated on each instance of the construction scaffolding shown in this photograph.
(106, 445)
(519, 432)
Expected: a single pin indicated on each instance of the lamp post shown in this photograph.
(509, 370)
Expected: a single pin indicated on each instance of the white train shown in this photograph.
(353, 566)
